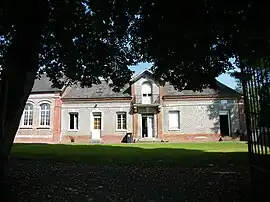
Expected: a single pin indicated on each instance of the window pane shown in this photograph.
(28, 115)
(97, 123)
(124, 121)
(30, 122)
(119, 116)
(97, 120)
(45, 114)
(71, 121)
(47, 118)
(42, 106)
(45, 106)
(42, 118)
(124, 125)
(121, 121)
(119, 125)
(25, 120)
(28, 107)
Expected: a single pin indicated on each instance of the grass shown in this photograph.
(182, 154)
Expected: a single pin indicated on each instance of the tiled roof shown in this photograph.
(104, 91)
(96, 91)
(221, 90)
(43, 85)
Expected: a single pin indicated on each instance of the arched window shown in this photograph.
(146, 93)
(45, 114)
(28, 115)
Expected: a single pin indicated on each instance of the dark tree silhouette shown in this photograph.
(83, 40)
(239, 87)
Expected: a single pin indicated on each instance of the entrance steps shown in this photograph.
(148, 140)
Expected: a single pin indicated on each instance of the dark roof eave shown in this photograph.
(198, 96)
(43, 92)
(96, 98)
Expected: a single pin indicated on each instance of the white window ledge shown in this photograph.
(26, 127)
(174, 129)
(121, 130)
(44, 127)
(73, 130)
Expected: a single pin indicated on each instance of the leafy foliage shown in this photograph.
(81, 45)
(189, 45)
(256, 80)
(239, 87)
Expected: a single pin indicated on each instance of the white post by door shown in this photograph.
(150, 124)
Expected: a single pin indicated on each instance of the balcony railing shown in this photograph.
(147, 99)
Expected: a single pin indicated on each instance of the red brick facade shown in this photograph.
(33, 140)
(57, 120)
(110, 139)
(55, 136)
(75, 138)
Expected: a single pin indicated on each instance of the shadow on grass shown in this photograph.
(132, 155)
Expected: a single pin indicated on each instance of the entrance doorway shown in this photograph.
(224, 121)
(148, 126)
(96, 131)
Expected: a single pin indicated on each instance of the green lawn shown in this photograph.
(184, 154)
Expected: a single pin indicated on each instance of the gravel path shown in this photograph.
(35, 180)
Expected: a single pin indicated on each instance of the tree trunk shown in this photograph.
(18, 74)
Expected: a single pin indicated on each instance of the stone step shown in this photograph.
(149, 140)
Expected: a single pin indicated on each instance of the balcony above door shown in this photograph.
(146, 99)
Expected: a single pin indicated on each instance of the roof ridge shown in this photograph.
(140, 73)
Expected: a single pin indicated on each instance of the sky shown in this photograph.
(224, 78)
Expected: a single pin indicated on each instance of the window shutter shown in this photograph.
(174, 120)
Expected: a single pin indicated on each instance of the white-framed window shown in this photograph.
(121, 123)
(73, 121)
(45, 114)
(28, 115)
(146, 93)
(174, 120)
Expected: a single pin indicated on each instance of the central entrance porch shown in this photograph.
(147, 123)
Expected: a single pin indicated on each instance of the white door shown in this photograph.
(96, 126)
(150, 126)
(146, 93)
